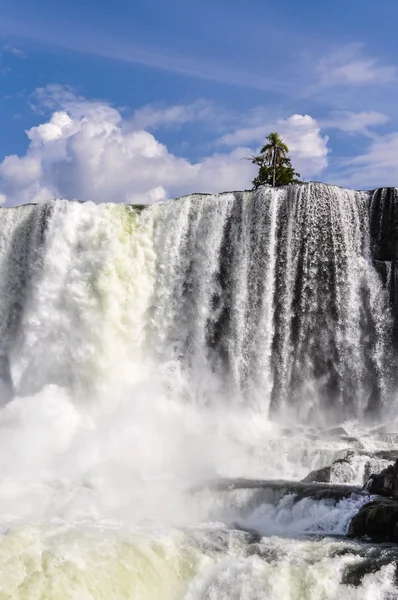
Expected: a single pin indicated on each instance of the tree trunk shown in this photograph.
(274, 169)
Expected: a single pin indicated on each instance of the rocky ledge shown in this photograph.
(378, 519)
(384, 483)
(316, 491)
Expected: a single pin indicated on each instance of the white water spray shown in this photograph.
(142, 353)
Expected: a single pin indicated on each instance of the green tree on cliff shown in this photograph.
(275, 166)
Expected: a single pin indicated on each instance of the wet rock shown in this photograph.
(319, 476)
(354, 573)
(384, 483)
(368, 559)
(377, 520)
(253, 536)
(349, 455)
(328, 492)
(386, 454)
(324, 475)
(317, 491)
(265, 552)
(374, 465)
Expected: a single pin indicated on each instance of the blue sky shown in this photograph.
(138, 101)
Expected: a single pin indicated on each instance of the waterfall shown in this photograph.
(267, 299)
(168, 378)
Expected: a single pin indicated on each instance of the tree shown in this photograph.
(275, 165)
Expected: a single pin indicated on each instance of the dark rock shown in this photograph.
(367, 472)
(345, 459)
(386, 454)
(253, 536)
(377, 520)
(267, 553)
(384, 483)
(369, 559)
(372, 466)
(324, 475)
(383, 220)
(384, 245)
(354, 573)
(319, 476)
(317, 491)
(328, 492)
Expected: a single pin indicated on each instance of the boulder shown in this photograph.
(319, 476)
(384, 483)
(324, 475)
(377, 520)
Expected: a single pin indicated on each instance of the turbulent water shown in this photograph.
(147, 352)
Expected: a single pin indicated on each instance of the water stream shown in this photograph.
(147, 353)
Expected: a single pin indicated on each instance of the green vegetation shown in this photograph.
(275, 165)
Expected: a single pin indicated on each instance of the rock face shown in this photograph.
(384, 483)
(384, 224)
(377, 520)
(383, 216)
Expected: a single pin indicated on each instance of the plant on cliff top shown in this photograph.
(275, 166)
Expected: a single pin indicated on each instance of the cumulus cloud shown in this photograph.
(349, 67)
(87, 150)
(301, 133)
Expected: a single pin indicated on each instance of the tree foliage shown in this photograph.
(275, 166)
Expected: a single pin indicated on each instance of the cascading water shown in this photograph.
(144, 352)
(273, 297)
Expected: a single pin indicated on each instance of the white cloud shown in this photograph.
(351, 122)
(349, 67)
(7, 49)
(301, 133)
(87, 150)
(377, 167)
(60, 125)
(152, 117)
